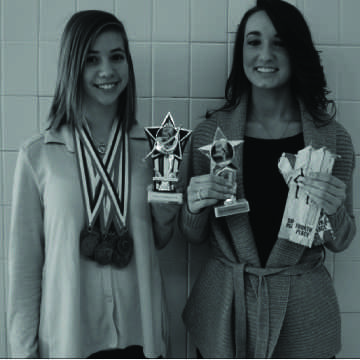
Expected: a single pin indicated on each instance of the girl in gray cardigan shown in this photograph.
(260, 295)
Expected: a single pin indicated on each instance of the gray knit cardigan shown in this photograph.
(287, 309)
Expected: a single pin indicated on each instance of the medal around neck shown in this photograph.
(221, 153)
(167, 143)
(106, 242)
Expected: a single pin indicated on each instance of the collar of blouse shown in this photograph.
(63, 135)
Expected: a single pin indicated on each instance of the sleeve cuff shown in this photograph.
(194, 224)
(337, 218)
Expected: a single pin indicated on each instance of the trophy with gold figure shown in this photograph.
(167, 143)
(222, 155)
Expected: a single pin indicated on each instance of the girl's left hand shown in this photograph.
(325, 190)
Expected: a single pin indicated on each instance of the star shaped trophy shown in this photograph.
(221, 153)
(167, 144)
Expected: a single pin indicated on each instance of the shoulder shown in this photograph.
(344, 144)
(345, 162)
(32, 147)
(32, 143)
(342, 135)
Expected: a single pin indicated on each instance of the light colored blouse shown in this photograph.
(60, 303)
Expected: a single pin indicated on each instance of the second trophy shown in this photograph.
(222, 154)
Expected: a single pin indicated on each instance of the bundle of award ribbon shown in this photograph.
(304, 222)
(105, 185)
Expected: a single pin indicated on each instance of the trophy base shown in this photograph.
(165, 197)
(235, 207)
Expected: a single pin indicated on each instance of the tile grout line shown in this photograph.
(152, 65)
(38, 65)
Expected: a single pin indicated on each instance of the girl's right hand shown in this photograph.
(207, 190)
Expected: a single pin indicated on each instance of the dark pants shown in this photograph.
(131, 352)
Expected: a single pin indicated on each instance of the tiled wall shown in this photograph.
(182, 53)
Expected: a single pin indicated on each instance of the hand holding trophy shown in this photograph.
(222, 154)
(167, 144)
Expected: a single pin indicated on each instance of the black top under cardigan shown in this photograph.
(265, 188)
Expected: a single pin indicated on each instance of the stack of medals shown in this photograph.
(105, 185)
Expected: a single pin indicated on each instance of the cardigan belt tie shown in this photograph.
(263, 311)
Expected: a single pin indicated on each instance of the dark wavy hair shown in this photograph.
(308, 81)
(79, 34)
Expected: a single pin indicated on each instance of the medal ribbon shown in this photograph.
(94, 177)
(85, 148)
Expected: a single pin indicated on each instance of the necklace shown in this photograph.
(100, 146)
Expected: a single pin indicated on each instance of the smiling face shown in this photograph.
(106, 72)
(266, 61)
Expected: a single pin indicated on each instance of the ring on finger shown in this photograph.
(199, 195)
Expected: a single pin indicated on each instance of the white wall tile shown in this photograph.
(9, 159)
(144, 112)
(2, 170)
(2, 232)
(349, 75)
(20, 64)
(2, 98)
(179, 111)
(349, 22)
(20, 20)
(48, 60)
(20, 120)
(53, 17)
(350, 324)
(352, 253)
(330, 61)
(137, 18)
(171, 70)
(208, 20)
(323, 28)
(236, 11)
(208, 70)
(44, 108)
(141, 55)
(171, 20)
(349, 113)
(104, 5)
(199, 107)
(230, 52)
(347, 285)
